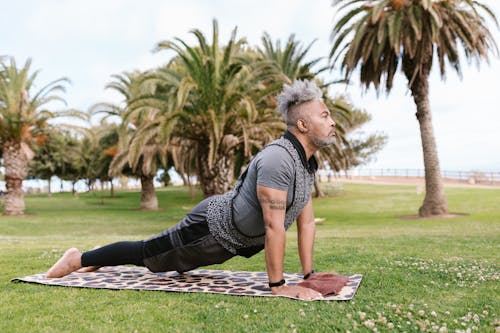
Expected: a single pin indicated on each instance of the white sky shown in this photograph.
(88, 41)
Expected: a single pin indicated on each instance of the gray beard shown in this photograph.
(322, 142)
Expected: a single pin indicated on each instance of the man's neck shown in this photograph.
(309, 147)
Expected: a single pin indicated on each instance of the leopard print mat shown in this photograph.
(200, 280)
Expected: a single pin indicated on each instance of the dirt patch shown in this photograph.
(433, 217)
(416, 181)
(148, 210)
(20, 215)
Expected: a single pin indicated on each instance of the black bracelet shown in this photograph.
(277, 284)
(308, 275)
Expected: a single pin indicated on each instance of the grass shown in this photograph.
(436, 275)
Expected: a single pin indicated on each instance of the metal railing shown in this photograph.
(470, 177)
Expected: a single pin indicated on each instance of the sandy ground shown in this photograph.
(419, 184)
(417, 181)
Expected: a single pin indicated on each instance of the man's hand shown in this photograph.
(296, 292)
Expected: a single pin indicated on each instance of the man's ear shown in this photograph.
(302, 126)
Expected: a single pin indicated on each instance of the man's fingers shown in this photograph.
(315, 295)
(311, 293)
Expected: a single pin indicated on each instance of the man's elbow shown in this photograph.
(309, 223)
(274, 229)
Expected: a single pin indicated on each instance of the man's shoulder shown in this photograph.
(275, 155)
(275, 148)
(275, 159)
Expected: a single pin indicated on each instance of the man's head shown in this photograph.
(302, 107)
(292, 98)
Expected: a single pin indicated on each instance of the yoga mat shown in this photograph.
(199, 280)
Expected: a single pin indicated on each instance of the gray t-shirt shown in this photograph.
(272, 167)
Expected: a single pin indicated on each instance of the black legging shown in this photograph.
(184, 246)
(120, 253)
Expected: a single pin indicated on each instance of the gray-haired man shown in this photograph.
(274, 191)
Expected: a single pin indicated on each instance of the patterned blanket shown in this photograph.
(200, 280)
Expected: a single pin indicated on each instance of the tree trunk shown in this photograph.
(219, 178)
(49, 188)
(182, 173)
(318, 193)
(435, 202)
(189, 180)
(112, 188)
(191, 186)
(101, 193)
(73, 189)
(16, 156)
(185, 182)
(149, 200)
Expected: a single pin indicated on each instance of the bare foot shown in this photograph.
(69, 262)
(88, 269)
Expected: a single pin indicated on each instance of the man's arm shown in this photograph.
(273, 203)
(306, 229)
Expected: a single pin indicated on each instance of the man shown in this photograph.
(274, 191)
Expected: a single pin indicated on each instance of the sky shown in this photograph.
(88, 41)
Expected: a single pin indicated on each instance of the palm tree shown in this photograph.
(22, 116)
(217, 92)
(183, 158)
(291, 60)
(139, 147)
(382, 35)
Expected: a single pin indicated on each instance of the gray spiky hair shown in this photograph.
(294, 94)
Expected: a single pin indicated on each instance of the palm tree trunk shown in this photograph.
(49, 188)
(112, 188)
(16, 158)
(149, 200)
(191, 186)
(318, 193)
(435, 202)
(101, 193)
(185, 182)
(219, 178)
(73, 188)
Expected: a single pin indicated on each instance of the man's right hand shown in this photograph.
(296, 292)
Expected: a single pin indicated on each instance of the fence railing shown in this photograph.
(466, 177)
(470, 177)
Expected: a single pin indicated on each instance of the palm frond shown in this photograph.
(383, 37)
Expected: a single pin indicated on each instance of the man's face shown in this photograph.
(320, 124)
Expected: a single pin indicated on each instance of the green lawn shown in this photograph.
(419, 275)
